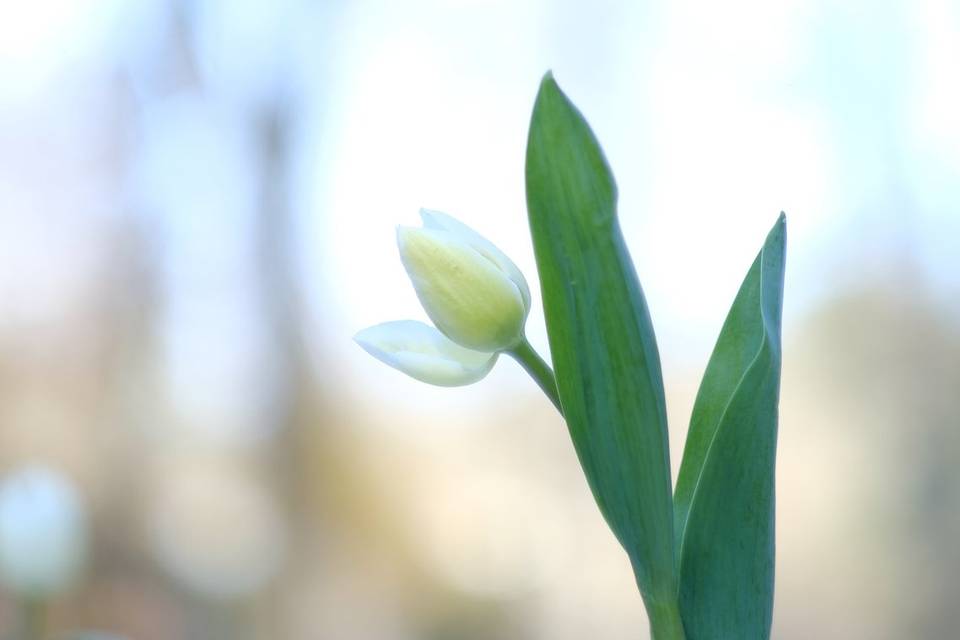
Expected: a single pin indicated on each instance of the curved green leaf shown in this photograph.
(724, 502)
(601, 341)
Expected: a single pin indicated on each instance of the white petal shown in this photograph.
(469, 298)
(422, 352)
(439, 220)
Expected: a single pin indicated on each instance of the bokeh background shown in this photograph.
(197, 202)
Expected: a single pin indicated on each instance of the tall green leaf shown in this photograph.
(601, 340)
(724, 502)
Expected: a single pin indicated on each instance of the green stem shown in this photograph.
(539, 370)
(33, 617)
(665, 622)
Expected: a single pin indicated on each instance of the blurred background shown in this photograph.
(197, 204)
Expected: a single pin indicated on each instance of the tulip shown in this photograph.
(476, 297)
(473, 293)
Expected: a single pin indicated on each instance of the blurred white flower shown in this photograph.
(43, 532)
(475, 295)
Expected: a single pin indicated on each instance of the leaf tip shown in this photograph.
(548, 80)
(778, 233)
(548, 88)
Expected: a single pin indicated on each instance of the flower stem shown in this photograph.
(539, 370)
(33, 619)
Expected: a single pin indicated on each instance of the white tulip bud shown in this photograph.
(473, 293)
(422, 352)
(43, 532)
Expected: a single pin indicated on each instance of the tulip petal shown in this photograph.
(439, 220)
(468, 297)
(422, 352)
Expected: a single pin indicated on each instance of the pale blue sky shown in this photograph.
(714, 118)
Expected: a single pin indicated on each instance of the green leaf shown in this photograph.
(601, 339)
(724, 502)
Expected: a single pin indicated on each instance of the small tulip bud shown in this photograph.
(473, 293)
(424, 353)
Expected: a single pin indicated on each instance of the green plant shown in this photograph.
(703, 555)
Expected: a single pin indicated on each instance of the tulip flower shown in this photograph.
(702, 554)
(473, 293)
(477, 298)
